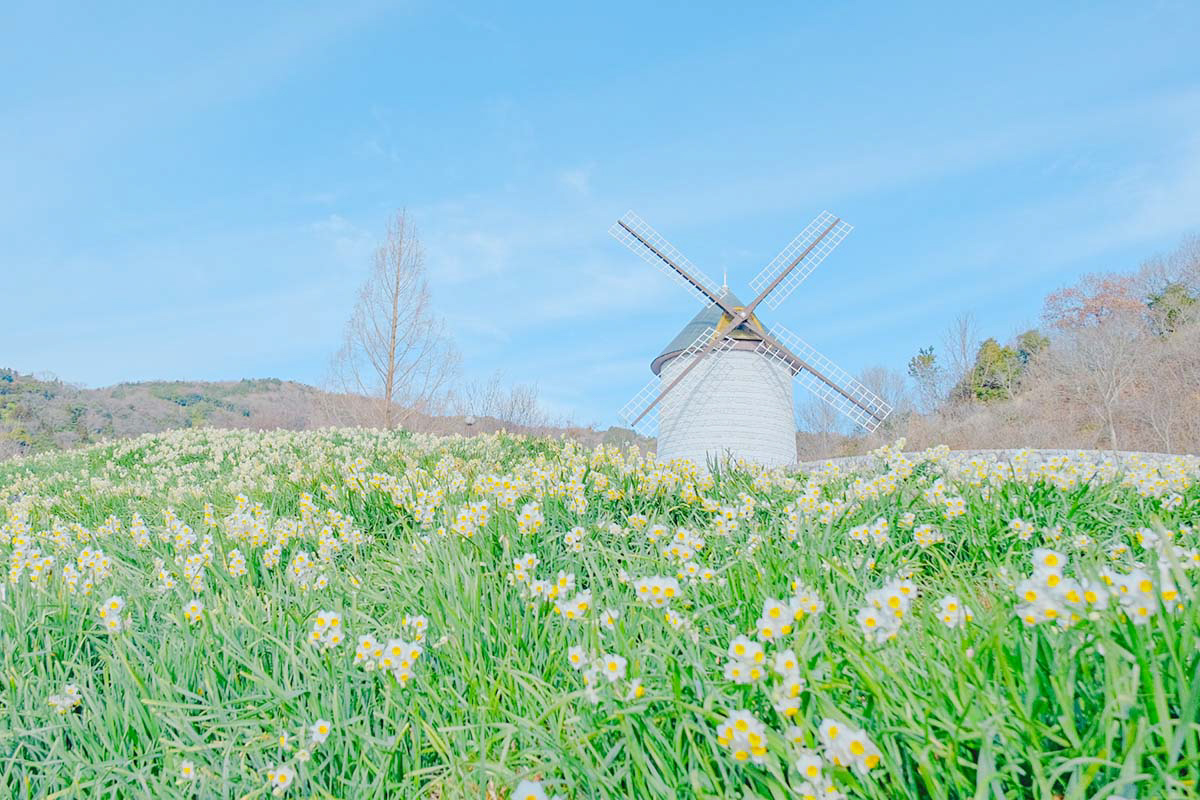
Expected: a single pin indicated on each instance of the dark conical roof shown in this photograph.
(709, 317)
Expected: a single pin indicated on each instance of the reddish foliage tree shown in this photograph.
(1095, 299)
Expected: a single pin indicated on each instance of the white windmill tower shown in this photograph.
(725, 383)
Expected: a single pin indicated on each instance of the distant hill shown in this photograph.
(39, 412)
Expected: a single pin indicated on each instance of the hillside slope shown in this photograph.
(40, 413)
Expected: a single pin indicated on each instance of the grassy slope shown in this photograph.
(995, 709)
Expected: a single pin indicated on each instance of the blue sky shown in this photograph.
(194, 191)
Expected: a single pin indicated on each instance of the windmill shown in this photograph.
(724, 385)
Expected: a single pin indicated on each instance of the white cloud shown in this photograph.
(577, 180)
(352, 245)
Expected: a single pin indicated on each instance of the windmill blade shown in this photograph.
(797, 261)
(636, 409)
(641, 413)
(825, 379)
(633, 232)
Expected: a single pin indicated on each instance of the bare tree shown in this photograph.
(961, 342)
(822, 429)
(516, 405)
(395, 349)
(1168, 400)
(1098, 366)
(892, 386)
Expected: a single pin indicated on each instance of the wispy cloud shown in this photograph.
(917, 157)
(60, 136)
(351, 244)
(577, 180)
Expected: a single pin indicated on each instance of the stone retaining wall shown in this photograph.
(851, 463)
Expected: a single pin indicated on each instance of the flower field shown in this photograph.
(350, 613)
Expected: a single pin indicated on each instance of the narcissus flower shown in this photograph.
(319, 730)
(193, 610)
(281, 778)
(745, 736)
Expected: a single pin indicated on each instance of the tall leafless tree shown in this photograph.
(961, 342)
(821, 429)
(395, 349)
(1099, 366)
(1168, 396)
(517, 404)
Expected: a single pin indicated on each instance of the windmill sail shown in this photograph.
(641, 412)
(809, 249)
(633, 232)
(839, 388)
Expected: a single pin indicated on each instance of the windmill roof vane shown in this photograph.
(727, 366)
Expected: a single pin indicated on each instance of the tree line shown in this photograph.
(1114, 364)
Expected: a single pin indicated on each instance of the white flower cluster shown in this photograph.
(471, 518)
(573, 539)
(176, 531)
(280, 779)
(193, 610)
(530, 520)
(785, 696)
(575, 607)
(927, 535)
(953, 613)
(693, 572)
(327, 632)
(397, 656)
(110, 615)
(745, 736)
(93, 567)
(885, 609)
(681, 624)
(815, 784)
(953, 507)
(69, 700)
(567, 603)
(304, 572)
(194, 565)
(166, 580)
(726, 522)
(137, 530)
(804, 601)
(532, 790)
(235, 562)
(846, 746)
(777, 618)
(683, 546)
(656, 590)
(523, 568)
(1021, 528)
(876, 532)
(610, 666)
(1049, 595)
(746, 662)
